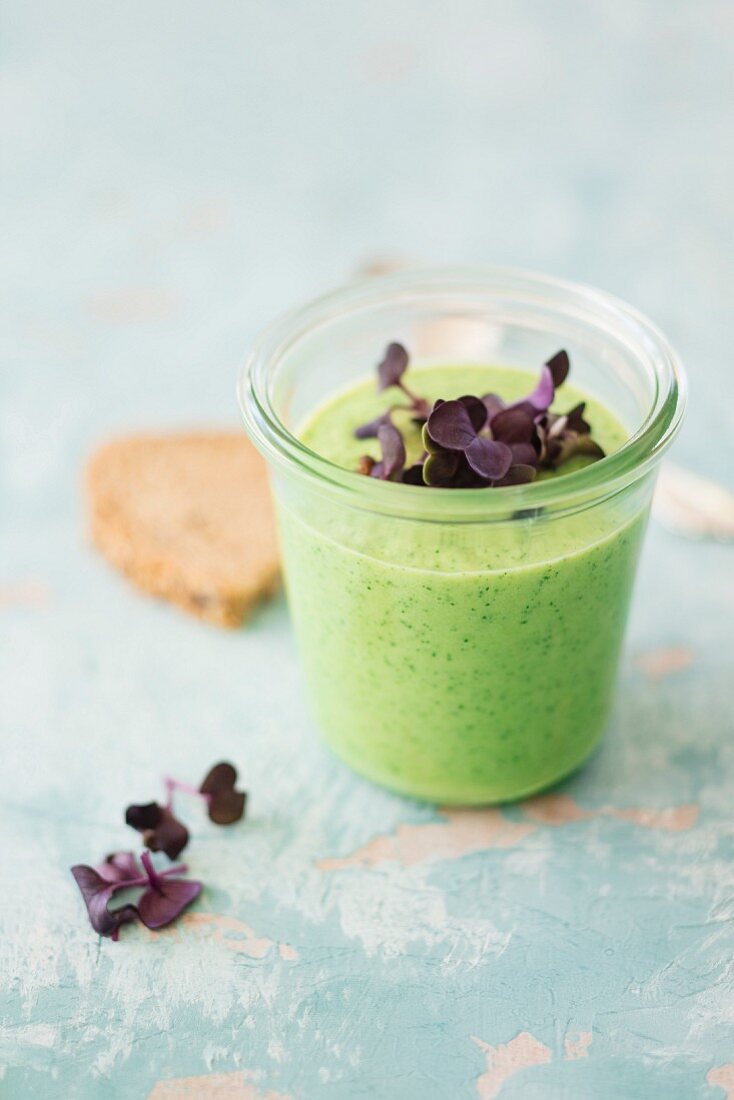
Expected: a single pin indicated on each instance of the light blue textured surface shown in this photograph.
(175, 175)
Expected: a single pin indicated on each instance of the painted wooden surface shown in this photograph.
(176, 174)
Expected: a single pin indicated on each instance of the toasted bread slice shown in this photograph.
(189, 518)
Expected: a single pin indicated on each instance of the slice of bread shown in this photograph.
(189, 518)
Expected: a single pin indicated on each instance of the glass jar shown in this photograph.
(462, 645)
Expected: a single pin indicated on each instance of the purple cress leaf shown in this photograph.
(559, 366)
(160, 829)
(157, 908)
(225, 804)
(414, 474)
(440, 468)
(450, 426)
(393, 366)
(518, 474)
(477, 411)
(523, 454)
(542, 396)
(488, 458)
(97, 892)
(393, 452)
(119, 867)
(493, 404)
(165, 898)
(477, 442)
(571, 443)
(515, 424)
(371, 428)
(575, 419)
(552, 375)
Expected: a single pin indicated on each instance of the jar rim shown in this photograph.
(630, 462)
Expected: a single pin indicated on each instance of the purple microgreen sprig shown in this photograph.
(160, 828)
(225, 804)
(456, 427)
(563, 436)
(392, 463)
(478, 442)
(463, 452)
(164, 896)
(390, 371)
(97, 893)
(553, 374)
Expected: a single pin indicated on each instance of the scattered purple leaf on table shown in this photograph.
(160, 829)
(119, 867)
(165, 898)
(225, 804)
(97, 893)
(158, 907)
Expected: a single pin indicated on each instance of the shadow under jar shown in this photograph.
(462, 645)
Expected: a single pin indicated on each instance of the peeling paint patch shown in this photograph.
(560, 809)
(554, 809)
(212, 1086)
(576, 1045)
(723, 1078)
(465, 831)
(656, 664)
(507, 1059)
(461, 832)
(231, 933)
(676, 819)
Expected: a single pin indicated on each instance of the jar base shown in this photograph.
(483, 796)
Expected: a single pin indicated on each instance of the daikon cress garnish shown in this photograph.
(477, 442)
(164, 896)
(163, 832)
(390, 373)
(164, 893)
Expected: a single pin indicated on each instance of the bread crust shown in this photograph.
(188, 518)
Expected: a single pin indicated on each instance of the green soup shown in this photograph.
(465, 663)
